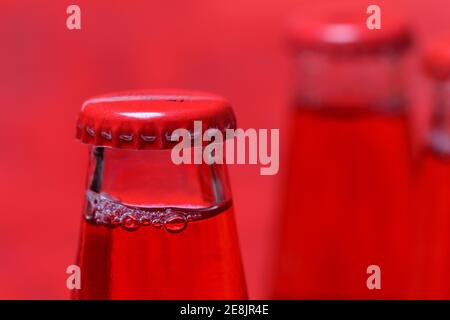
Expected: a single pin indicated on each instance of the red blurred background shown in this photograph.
(234, 48)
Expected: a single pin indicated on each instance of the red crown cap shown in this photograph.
(146, 119)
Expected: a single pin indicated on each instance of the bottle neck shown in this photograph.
(135, 188)
(351, 82)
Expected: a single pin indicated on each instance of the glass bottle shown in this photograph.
(346, 194)
(432, 197)
(153, 229)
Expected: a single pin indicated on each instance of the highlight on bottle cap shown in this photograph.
(343, 27)
(436, 58)
(146, 119)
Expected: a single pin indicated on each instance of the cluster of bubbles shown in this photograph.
(102, 209)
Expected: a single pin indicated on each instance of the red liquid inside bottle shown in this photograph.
(347, 191)
(433, 205)
(120, 265)
(153, 229)
(432, 197)
(345, 211)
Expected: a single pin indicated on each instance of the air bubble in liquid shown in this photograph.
(112, 213)
(156, 223)
(129, 223)
(115, 221)
(145, 221)
(175, 223)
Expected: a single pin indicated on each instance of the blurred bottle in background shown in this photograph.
(433, 182)
(154, 229)
(347, 189)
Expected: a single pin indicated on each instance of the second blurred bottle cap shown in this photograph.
(344, 27)
(437, 58)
